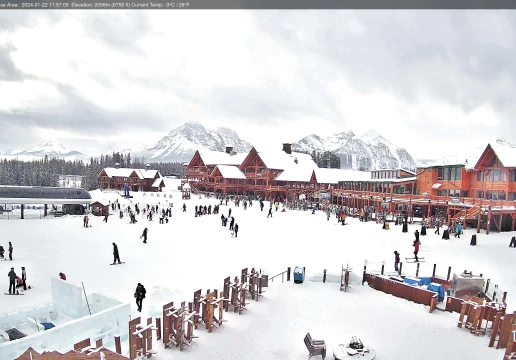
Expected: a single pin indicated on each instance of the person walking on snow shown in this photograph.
(396, 260)
(144, 236)
(10, 251)
(12, 281)
(416, 249)
(139, 294)
(270, 212)
(437, 227)
(229, 214)
(232, 223)
(24, 278)
(235, 229)
(105, 218)
(459, 230)
(116, 255)
(184, 207)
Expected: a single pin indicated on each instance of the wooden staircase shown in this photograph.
(470, 214)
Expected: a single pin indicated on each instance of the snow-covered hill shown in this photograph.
(369, 151)
(181, 143)
(52, 149)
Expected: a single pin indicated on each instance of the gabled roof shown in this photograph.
(280, 160)
(221, 158)
(101, 202)
(505, 151)
(158, 182)
(121, 172)
(300, 174)
(229, 172)
(148, 174)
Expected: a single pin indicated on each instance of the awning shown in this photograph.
(436, 186)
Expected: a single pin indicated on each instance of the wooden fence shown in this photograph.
(402, 290)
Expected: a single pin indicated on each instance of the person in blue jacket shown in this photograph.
(459, 230)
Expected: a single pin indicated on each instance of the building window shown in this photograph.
(512, 196)
(501, 195)
(489, 195)
(512, 175)
(480, 176)
(440, 173)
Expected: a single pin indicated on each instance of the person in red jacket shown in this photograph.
(62, 276)
(416, 249)
(396, 260)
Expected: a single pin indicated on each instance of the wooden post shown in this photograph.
(513, 222)
(118, 345)
(500, 222)
(489, 214)
(324, 277)
(158, 326)
(479, 220)
(465, 218)
(364, 274)
(504, 297)
(401, 266)
(288, 274)
(433, 271)
(383, 266)
(487, 287)
(449, 274)
(417, 270)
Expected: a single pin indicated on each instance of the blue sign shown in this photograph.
(514, 336)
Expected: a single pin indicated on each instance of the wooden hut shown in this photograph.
(100, 208)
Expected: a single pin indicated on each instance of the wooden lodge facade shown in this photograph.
(137, 179)
(484, 189)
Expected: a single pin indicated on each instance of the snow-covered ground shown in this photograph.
(192, 253)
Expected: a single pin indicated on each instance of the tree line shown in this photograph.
(45, 172)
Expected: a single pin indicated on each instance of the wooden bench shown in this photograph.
(315, 347)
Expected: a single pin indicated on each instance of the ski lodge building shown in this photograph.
(483, 188)
(137, 179)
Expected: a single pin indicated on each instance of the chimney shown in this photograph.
(229, 149)
(117, 166)
(147, 166)
(287, 147)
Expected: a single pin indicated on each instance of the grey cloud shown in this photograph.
(8, 69)
(119, 31)
(101, 79)
(459, 57)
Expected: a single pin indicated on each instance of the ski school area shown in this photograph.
(291, 285)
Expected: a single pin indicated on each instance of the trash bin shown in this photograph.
(264, 280)
(299, 275)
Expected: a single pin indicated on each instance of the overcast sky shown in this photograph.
(429, 81)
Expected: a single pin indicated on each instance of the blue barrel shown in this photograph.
(299, 275)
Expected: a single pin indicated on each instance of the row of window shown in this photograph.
(496, 175)
(385, 174)
(495, 195)
(449, 173)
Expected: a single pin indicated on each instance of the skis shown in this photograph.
(413, 260)
(12, 294)
(120, 263)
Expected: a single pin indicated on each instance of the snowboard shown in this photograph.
(12, 294)
(123, 262)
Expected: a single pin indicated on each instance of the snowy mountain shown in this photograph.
(51, 149)
(181, 143)
(369, 151)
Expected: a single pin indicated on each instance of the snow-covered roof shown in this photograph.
(399, 169)
(301, 174)
(230, 172)
(280, 160)
(505, 151)
(393, 180)
(126, 172)
(157, 182)
(121, 172)
(101, 202)
(186, 186)
(333, 176)
(221, 158)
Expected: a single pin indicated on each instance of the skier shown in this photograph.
(10, 251)
(229, 214)
(261, 205)
(62, 276)
(459, 230)
(277, 206)
(144, 235)
(235, 229)
(139, 294)
(12, 281)
(270, 212)
(396, 260)
(437, 227)
(116, 255)
(232, 223)
(24, 278)
(416, 249)
(416, 234)
(85, 221)
(184, 207)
